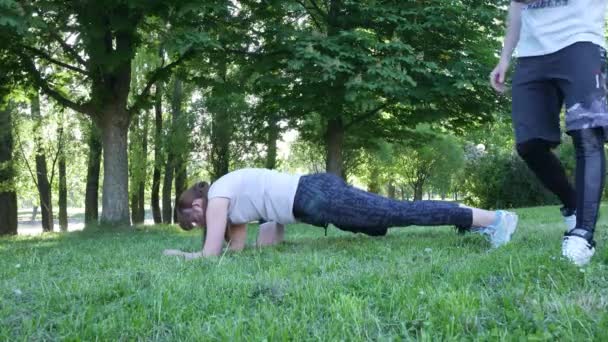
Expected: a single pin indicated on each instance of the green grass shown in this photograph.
(415, 283)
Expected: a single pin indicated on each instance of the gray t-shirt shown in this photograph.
(257, 194)
(551, 25)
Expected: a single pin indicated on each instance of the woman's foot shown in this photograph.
(500, 232)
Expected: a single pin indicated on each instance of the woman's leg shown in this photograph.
(324, 198)
(481, 217)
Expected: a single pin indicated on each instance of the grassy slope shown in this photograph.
(425, 283)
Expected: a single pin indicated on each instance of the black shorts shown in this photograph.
(574, 76)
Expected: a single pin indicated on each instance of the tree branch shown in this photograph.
(68, 49)
(47, 57)
(47, 89)
(312, 16)
(156, 75)
(367, 115)
(27, 163)
(57, 153)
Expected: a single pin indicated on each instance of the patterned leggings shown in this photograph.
(324, 198)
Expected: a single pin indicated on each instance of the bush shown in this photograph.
(502, 180)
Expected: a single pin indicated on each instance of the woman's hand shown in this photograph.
(186, 255)
(173, 252)
(194, 255)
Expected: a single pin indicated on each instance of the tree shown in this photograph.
(138, 160)
(384, 66)
(432, 160)
(8, 196)
(8, 84)
(91, 202)
(63, 188)
(93, 43)
(43, 183)
(158, 156)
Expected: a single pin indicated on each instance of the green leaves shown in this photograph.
(11, 16)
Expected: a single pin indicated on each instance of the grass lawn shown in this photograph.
(415, 283)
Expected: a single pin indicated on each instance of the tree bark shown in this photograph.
(418, 192)
(220, 149)
(91, 202)
(142, 182)
(334, 141)
(63, 189)
(8, 196)
(180, 131)
(374, 182)
(158, 160)
(167, 187)
(44, 187)
(114, 126)
(273, 136)
(138, 153)
(221, 129)
(391, 190)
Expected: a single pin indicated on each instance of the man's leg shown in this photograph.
(583, 81)
(590, 176)
(537, 102)
(548, 169)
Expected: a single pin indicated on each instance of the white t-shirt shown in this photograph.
(551, 25)
(257, 194)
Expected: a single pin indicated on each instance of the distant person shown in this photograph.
(561, 59)
(247, 195)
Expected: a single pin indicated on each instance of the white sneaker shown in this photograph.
(570, 222)
(577, 250)
(500, 233)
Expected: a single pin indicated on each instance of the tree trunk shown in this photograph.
(44, 187)
(114, 126)
(63, 189)
(91, 202)
(181, 137)
(220, 145)
(391, 190)
(34, 213)
(167, 187)
(334, 141)
(138, 154)
(418, 191)
(142, 182)
(8, 197)
(158, 162)
(273, 136)
(374, 181)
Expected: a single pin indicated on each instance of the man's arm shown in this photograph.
(513, 31)
(498, 75)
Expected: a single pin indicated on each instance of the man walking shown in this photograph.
(561, 60)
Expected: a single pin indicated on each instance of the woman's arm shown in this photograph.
(270, 233)
(237, 237)
(217, 220)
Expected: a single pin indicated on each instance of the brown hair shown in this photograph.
(184, 203)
